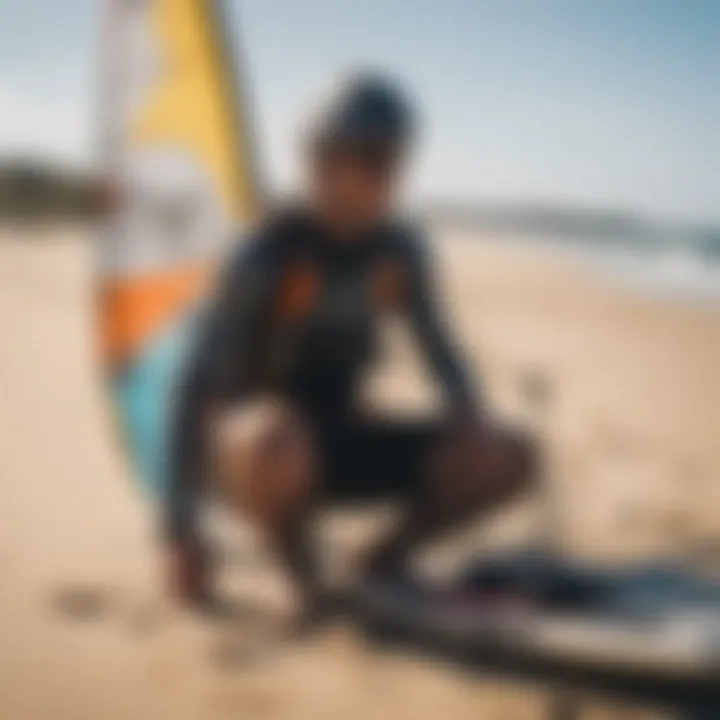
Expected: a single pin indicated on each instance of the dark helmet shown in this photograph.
(364, 112)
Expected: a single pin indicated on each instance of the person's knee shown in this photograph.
(484, 465)
(520, 460)
(264, 459)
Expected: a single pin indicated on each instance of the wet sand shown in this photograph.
(84, 631)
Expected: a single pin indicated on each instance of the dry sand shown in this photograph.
(84, 632)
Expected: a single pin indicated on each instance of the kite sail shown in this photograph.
(178, 155)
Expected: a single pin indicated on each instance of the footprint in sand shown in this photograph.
(140, 617)
(83, 602)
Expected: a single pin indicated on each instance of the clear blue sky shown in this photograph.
(601, 102)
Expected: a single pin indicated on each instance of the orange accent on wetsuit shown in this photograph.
(388, 287)
(299, 291)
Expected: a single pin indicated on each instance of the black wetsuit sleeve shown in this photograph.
(433, 335)
(224, 362)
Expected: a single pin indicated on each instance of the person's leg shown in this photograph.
(265, 467)
(450, 476)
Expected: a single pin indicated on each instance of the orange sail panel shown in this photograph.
(137, 308)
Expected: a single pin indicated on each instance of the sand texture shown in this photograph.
(631, 421)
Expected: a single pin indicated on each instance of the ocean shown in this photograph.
(657, 258)
(685, 267)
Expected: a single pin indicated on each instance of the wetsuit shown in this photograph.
(296, 315)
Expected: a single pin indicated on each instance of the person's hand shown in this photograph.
(187, 575)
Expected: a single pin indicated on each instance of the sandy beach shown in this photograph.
(84, 631)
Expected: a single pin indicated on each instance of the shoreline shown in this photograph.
(676, 271)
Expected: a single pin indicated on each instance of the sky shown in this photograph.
(601, 103)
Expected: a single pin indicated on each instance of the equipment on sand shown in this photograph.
(177, 154)
(648, 633)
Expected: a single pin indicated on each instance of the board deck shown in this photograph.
(652, 636)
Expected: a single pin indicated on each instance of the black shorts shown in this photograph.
(377, 460)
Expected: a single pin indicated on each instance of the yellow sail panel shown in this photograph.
(193, 102)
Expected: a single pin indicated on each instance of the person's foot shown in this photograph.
(188, 574)
(388, 560)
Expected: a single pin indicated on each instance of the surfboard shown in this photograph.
(648, 632)
(177, 152)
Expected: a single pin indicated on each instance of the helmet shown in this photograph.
(365, 112)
